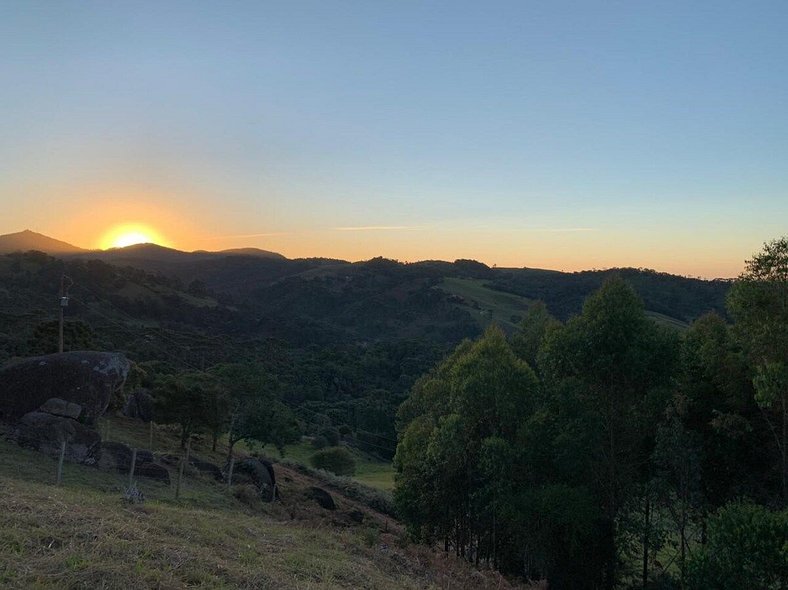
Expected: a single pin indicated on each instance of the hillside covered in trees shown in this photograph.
(344, 341)
(609, 450)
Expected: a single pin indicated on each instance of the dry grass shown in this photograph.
(82, 535)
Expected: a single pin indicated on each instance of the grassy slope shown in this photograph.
(494, 306)
(82, 535)
(369, 471)
(499, 307)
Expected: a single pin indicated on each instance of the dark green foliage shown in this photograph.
(254, 410)
(336, 460)
(758, 302)
(185, 399)
(533, 328)
(747, 548)
(77, 335)
(564, 293)
(460, 467)
(492, 463)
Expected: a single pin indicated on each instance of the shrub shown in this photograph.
(336, 460)
(746, 548)
(319, 442)
(370, 536)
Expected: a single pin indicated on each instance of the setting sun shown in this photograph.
(129, 234)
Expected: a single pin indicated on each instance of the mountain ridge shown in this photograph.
(26, 240)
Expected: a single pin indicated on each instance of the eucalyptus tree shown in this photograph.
(618, 364)
(758, 301)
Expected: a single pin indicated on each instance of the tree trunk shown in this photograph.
(646, 525)
(230, 444)
(783, 450)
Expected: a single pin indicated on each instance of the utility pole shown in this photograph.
(63, 305)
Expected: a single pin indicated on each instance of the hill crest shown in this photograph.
(29, 240)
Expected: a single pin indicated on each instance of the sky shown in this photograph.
(565, 135)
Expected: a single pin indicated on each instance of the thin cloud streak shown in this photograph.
(244, 236)
(379, 228)
(562, 229)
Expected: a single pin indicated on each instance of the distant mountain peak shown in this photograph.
(29, 240)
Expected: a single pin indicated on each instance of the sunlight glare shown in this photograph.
(125, 235)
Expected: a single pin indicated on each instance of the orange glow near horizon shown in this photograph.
(128, 234)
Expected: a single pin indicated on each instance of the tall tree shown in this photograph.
(185, 399)
(758, 301)
(619, 363)
(457, 436)
(533, 329)
(255, 412)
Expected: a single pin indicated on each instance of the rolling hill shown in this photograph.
(29, 240)
(345, 340)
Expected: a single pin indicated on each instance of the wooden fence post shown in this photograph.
(230, 474)
(60, 462)
(184, 459)
(133, 465)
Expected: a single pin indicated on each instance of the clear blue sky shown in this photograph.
(554, 134)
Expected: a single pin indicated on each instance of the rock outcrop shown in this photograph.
(45, 432)
(89, 379)
(60, 407)
(258, 472)
(139, 404)
(206, 467)
(322, 497)
(115, 456)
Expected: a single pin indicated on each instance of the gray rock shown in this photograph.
(322, 497)
(152, 471)
(258, 472)
(45, 432)
(116, 456)
(89, 379)
(206, 467)
(139, 405)
(60, 407)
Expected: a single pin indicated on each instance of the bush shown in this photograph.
(336, 460)
(319, 442)
(746, 549)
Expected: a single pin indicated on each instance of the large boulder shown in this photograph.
(115, 456)
(258, 472)
(139, 404)
(322, 497)
(153, 471)
(60, 407)
(46, 432)
(89, 379)
(206, 467)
